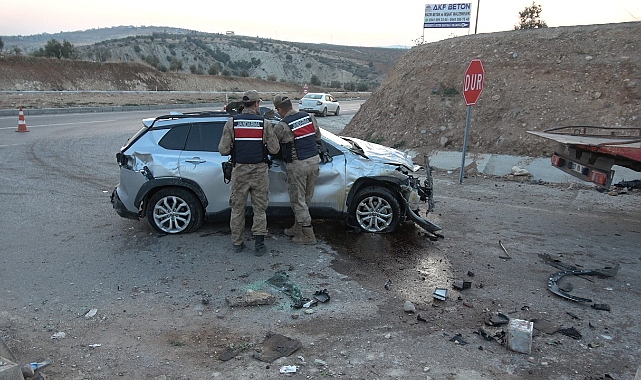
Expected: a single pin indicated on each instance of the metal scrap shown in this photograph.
(507, 255)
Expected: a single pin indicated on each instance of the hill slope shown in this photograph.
(189, 51)
(535, 79)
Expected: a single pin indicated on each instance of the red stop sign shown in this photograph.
(473, 85)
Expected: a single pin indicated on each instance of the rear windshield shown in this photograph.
(313, 96)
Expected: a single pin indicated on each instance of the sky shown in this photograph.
(351, 23)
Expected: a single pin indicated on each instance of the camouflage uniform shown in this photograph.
(301, 174)
(248, 179)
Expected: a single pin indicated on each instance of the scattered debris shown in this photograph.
(601, 306)
(496, 319)
(40, 365)
(554, 287)
(470, 273)
(545, 326)
(484, 334)
(276, 346)
(388, 284)
(574, 316)
(59, 335)
(420, 318)
(571, 332)
(458, 339)
(440, 294)
(519, 336)
(251, 298)
(629, 185)
(288, 369)
(321, 296)
(91, 313)
(280, 280)
(517, 171)
(461, 285)
(507, 255)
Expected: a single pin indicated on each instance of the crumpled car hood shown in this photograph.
(385, 154)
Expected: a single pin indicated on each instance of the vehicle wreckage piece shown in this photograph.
(554, 287)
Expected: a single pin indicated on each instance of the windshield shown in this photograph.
(346, 142)
(313, 96)
(335, 139)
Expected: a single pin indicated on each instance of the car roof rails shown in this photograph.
(179, 115)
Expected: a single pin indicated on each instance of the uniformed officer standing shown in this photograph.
(248, 137)
(298, 134)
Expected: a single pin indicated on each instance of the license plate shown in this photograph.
(578, 168)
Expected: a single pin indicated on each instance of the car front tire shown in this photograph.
(174, 210)
(376, 210)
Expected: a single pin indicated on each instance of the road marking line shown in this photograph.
(60, 124)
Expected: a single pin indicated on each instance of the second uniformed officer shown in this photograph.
(298, 134)
(248, 137)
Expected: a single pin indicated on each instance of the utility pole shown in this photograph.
(476, 23)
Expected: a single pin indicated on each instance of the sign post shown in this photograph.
(305, 88)
(472, 88)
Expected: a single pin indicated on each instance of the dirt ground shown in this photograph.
(165, 314)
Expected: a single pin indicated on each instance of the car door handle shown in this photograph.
(196, 160)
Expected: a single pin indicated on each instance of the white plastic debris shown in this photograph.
(288, 369)
(59, 335)
(91, 313)
(519, 171)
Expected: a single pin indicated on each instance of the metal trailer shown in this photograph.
(589, 152)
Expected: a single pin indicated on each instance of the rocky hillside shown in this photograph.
(185, 51)
(50, 74)
(535, 79)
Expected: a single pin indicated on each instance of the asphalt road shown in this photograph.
(65, 252)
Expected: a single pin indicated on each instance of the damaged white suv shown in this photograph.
(171, 174)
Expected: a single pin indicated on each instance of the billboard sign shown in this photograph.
(447, 15)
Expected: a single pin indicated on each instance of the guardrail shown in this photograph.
(55, 111)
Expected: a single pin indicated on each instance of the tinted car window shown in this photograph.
(205, 136)
(176, 138)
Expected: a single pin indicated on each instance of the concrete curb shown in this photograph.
(540, 168)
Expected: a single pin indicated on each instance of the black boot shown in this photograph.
(259, 247)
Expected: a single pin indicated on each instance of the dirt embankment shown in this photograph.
(534, 79)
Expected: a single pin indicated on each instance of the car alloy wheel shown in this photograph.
(377, 210)
(174, 210)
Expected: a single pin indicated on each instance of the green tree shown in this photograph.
(530, 18)
(215, 69)
(315, 81)
(55, 49)
(101, 54)
(176, 64)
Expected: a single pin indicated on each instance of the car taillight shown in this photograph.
(557, 160)
(598, 177)
(319, 103)
(300, 101)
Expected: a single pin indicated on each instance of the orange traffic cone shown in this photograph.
(22, 125)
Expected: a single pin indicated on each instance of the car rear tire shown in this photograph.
(376, 210)
(174, 210)
(324, 113)
(338, 110)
